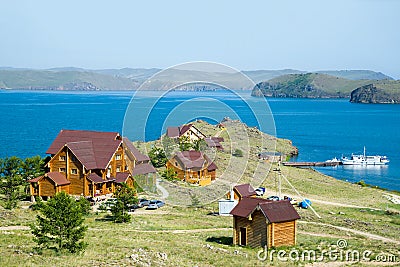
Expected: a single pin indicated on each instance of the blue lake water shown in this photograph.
(321, 129)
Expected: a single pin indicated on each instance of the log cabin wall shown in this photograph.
(119, 160)
(47, 187)
(283, 234)
(59, 161)
(255, 230)
(63, 188)
(75, 174)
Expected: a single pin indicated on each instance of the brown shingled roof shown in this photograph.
(143, 168)
(121, 177)
(279, 211)
(140, 157)
(67, 136)
(93, 149)
(274, 211)
(246, 206)
(173, 132)
(184, 128)
(35, 180)
(194, 160)
(245, 190)
(58, 178)
(95, 178)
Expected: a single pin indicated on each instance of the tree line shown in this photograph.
(14, 176)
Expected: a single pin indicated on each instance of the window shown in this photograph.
(73, 158)
(63, 158)
(62, 169)
(118, 157)
(74, 171)
(118, 169)
(176, 164)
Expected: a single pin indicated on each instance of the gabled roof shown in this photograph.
(134, 151)
(184, 128)
(274, 211)
(67, 136)
(245, 190)
(175, 132)
(194, 160)
(121, 177)
(35, 180)
(212, 166)
(94, 155)
(143, 168)
(95, 178)
(279, 211)
(246, 206)
(214, 141)
(58, 178)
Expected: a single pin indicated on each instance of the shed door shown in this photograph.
(243, 236)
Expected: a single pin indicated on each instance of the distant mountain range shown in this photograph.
(70, 78)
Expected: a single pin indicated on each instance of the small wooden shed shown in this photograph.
(259, 222)
(49, 184)
(242, 190)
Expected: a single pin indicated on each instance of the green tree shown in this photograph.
(199, 145)
(184, 143)
(157, 157)
(11, 179)
(169, 145)
(32, 168)
(237, 153)
(126, 198)
(60, 224)
(169, 174)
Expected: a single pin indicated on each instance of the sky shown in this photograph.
(247, 35)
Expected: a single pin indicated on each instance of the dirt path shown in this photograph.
(14, 227)
(341, 204)
(164, 192)
(313, 200)
(183, 231)
(368, 235)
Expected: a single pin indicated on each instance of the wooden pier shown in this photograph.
(312, 164)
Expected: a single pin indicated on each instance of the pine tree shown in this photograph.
(60, 225)
(10, 180)
(32, 168)
(126, 198)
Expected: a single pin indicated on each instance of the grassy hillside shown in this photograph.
(54, 80)
(309, 85)
(387, 92)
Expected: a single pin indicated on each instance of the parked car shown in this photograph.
(155, 204)
(260, 191)
(305, 204)
(143, 202)
(273, 198)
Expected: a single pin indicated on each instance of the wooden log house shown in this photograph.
(186, 130)
(259, 222)
(193, 167)
(240, 191)
(89, 163)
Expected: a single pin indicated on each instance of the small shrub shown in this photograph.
(237, 153)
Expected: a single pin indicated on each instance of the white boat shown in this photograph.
(365, 160)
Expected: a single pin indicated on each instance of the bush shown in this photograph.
(237, 153)
(169, 174)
